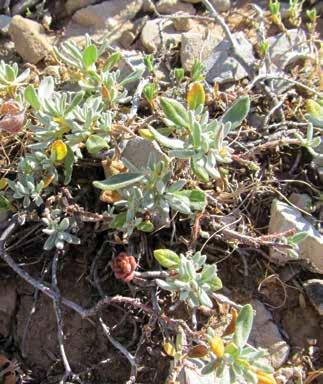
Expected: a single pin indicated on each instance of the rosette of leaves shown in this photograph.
(90, 125)
(26, 188)
(150, 191)
(232, 360)
(57, 231)
(53, 111)
(109, 84)
(197, 138)
(10, 79)
(193, 279)
(38, 164)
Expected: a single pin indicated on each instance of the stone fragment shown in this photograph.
(190, 374)
(4, 24)
(150, 34)
(198, 46)
(74, 5)
(302, 201)
(221, 67)
(109, 14)
(8, 299)
(127, 38)
(138, 151)
(314, 291)
(219, 5)
(284, 50)
(174, 6)
(265, 334)
(284, 217)
(30, 40)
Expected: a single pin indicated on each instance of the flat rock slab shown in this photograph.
(265, 334)
(108, 13)
(150, 34)
(314, 291)
(138, 151)
(4, 24)
(285, 217)
(222, 67)
(198, 46)
(285, 49)
(31, 43)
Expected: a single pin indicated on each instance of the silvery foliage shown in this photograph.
(200, 139)
(109, 83)
(26, 188)
(150, 190)
(194, 280)
(10, 78)
(57, 231)
(239, 362)
(38, 164)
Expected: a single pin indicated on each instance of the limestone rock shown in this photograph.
(174, 6)
(30, 40)
(8, 298)
(314, 291)
(150, 36)
(285, 50)
(73, 5)
(4, 24)
(221, 67)
(265, 334)
(198, 46)
(285, 217)
(108, 14)
(302, 201)
(138, 151)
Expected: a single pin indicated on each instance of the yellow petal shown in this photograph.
(59, 150)
(169, 349)
(195, 95)
(217, 346)
(3, 183)
(265, 378)
(146, 134)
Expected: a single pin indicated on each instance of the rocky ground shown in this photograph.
(285, 193)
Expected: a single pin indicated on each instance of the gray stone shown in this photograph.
(174, 6)
(190, 374)
(265, 334)
(74, 5)
(221, 67)
(138, 151)
(109, 14)
(8, 299)
(314, 291)
(198, 46)
(219, 5)
(285, 217)
(30, 40)
(150, 35)
(4, 24)
(285, 50)
(302, 201)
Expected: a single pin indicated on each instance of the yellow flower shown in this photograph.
(217, 346)
(58, 150)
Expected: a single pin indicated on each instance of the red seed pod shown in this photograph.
(124, 267)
